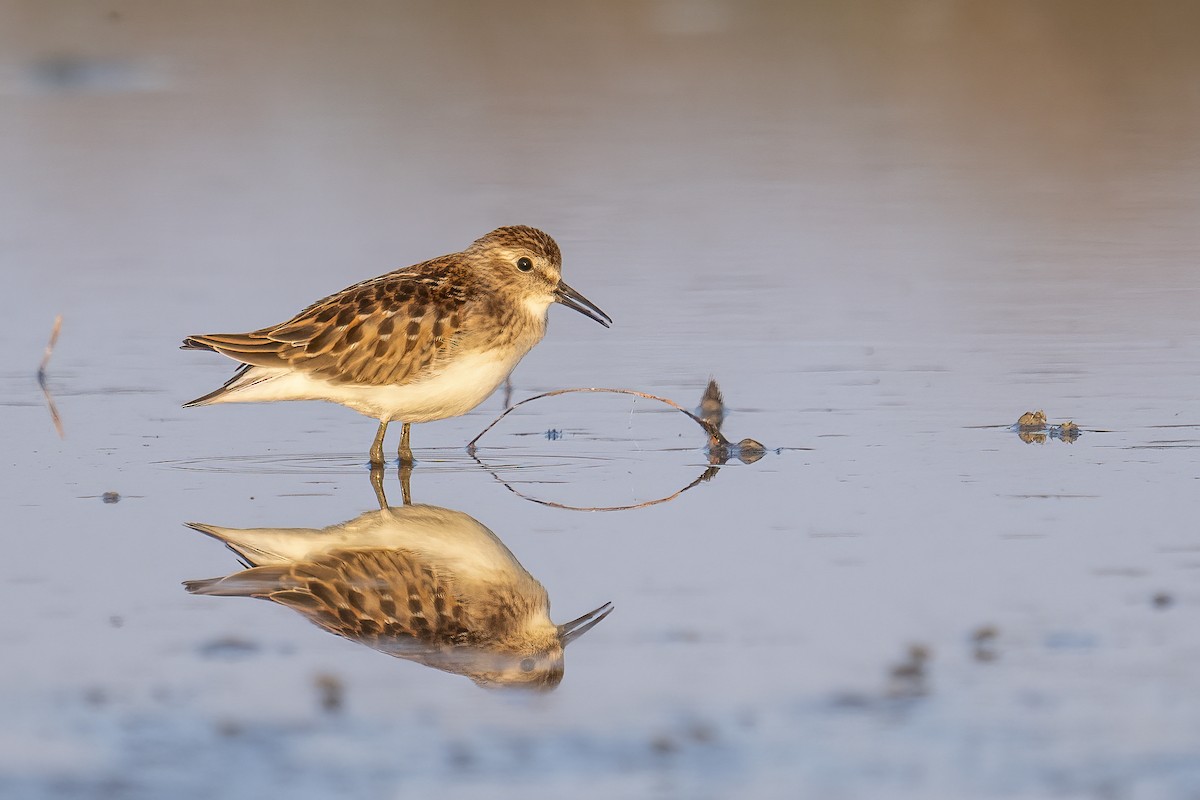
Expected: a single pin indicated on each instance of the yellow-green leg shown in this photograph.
(405, 474)
(405, 453)
(377, 485)
(377, 445)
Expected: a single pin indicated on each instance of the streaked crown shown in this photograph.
(514, 238)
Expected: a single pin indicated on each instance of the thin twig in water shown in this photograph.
(715, 439)
(41, 373)
(41, 376)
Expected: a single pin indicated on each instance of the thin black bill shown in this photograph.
(570, 631)
(573, 299)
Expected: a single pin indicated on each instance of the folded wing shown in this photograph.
(388, 330)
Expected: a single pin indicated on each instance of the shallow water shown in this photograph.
(886, 229)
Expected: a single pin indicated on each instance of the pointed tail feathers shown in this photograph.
(194, 343)
(237, 381)
(265, 546)
(255, 582)
(252, 349)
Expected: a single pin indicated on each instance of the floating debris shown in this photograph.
(747, 451)
(712, 411)
(908, 678)
(110, 497)
(1163, 600)
(719, 449)
(712, 405)
(1032, 428)
(331, 692)
(1032, 421)
(983, 643)
(1067, 432)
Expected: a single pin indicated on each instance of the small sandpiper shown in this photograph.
(427, 584)
(420, 344)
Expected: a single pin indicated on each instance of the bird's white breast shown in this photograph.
(463, 383)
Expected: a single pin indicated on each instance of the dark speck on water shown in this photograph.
(111, 497)
(909, 677)
(663, 745)
(459, 755)
(331, 692)
(983, 641)
(227, 648)
(1163, 600)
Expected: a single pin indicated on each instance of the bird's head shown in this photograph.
(536, 661)
(528, 263)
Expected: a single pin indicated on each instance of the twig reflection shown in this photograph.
(55, 417)
(708, 474)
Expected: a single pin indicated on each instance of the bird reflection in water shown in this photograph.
(418, 582)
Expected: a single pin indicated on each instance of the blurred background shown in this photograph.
(722, 145)
(887, 229)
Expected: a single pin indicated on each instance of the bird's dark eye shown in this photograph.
(524, 264)
(527, 664)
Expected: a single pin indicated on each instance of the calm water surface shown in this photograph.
(886, 229)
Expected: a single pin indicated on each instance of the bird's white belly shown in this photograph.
(461, 385)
